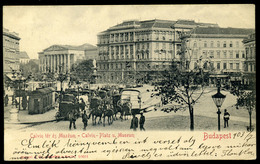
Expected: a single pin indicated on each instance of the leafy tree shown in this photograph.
(82, 71)
(29, 68)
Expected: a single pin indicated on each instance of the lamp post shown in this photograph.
(218, 99)
(61, 77)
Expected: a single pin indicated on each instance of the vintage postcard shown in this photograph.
(129, 82)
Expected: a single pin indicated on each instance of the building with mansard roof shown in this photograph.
(134, 48)
(57, 58)
(11, 50)
(218, 48)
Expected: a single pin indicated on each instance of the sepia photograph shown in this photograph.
(129, 82)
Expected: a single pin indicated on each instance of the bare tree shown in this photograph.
(182, 83)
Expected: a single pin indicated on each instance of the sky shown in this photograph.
(42, 26)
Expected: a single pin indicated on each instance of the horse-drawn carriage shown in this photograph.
(101, 106)
(68, 103)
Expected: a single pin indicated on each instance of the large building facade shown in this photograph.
(61, 58)
(134, 48)
(220, 49)
(250, 62)
(11, 50)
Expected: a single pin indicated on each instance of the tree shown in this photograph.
(245, 99)
(182, 83)
(82, 71)
(30, 68)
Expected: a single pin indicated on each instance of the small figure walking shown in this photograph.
(226, 118)
(72, 118)
(6, 100)
(142, 120)
(85, 120)
(134, 123)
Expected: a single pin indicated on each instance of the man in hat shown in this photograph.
(142, 120)
(134, 123)
(72, 118)
(226, 118)
(85, 120)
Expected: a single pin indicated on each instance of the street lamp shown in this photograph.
(218, 99)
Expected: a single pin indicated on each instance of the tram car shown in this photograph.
(67, 104)
(41, 100)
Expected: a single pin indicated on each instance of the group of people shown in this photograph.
(73, 115)
(134, 122)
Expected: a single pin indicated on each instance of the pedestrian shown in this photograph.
(85, 120)
(142, 120)
(72, 118)
(226, 118)
(6, 99)
(134, 123)
(24, 102)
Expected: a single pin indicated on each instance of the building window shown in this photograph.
(138, 46)
(237, 66)
(230, 45)
(231, 54)
(126, 36)
(224, 44)
(243, 54)
(218, 65)
(131, 49)
(205, 44)
(231, 65)
(224, 65)
(211, 44)
(225, 54)
(218, 44)
(237, 55)
(218, 54)
(131, 36)
(148, 45)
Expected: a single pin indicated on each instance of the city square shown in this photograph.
(174, 65)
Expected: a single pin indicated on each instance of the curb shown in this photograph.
(40, 122)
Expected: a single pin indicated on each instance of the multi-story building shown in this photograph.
(10, 50)
(136, 47)
(23, 57)
(58, 58)
(250, 65)
(218, 48)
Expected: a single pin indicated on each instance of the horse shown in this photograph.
(126, 110)
(106, 105)
(96, 113)
(109, 114)
(116, 109)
